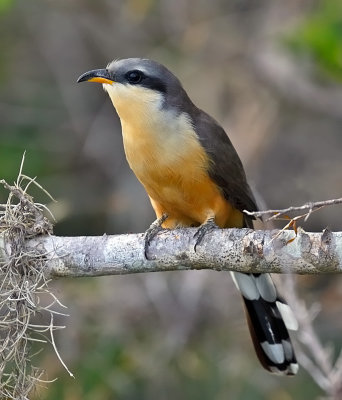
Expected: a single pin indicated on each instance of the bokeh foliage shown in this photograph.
(319, 38)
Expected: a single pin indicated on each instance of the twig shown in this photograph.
(311, 206)
(312, 354)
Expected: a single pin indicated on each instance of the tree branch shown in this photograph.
(242, 250)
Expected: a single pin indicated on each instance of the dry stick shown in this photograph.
(312, 354)
(311, 206)
(314, 358)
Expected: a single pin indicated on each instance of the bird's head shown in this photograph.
(138, 86)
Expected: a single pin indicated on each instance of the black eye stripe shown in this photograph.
(138, 77)
(154, 84)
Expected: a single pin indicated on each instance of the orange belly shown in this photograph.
(190, 202)
(173, 167)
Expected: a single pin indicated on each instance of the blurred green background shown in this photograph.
(270, 72)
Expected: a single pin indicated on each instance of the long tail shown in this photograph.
(269, 319)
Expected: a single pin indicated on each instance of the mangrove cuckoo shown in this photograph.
(194, 177)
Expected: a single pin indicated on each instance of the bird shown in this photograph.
(194, 178)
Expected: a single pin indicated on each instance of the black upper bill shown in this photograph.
(96, 75)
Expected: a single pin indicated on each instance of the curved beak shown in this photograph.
(96, 75)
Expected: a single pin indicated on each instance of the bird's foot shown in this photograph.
(208, 226)
(152, 231)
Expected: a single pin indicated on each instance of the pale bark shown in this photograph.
(228, 249)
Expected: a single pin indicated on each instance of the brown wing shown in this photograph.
(226, 169)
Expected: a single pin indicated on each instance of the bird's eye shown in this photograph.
(134, 77)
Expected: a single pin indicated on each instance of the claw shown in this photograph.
(152, 231)
(205, 228)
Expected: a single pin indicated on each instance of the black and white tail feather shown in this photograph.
(269, 318)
